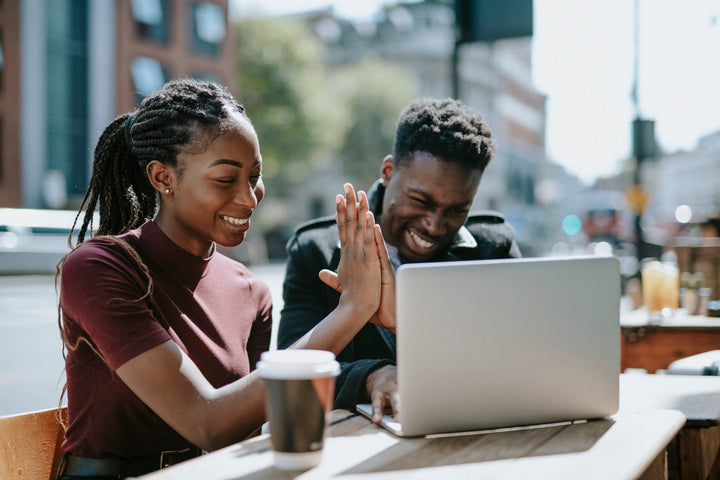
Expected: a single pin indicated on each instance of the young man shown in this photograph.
(422, 203)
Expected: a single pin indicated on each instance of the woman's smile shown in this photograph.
(236, 221)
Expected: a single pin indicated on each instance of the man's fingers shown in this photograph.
(395, 404)
(382, 249)
(378, 405)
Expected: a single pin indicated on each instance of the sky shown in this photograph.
(584, 61)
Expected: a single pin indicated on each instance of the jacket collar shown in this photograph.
(376, 194)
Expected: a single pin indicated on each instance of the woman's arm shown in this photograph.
(168, 382)
(174, 388)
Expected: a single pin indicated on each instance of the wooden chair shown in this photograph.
(30, 444)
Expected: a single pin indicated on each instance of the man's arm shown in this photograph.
(351, 386)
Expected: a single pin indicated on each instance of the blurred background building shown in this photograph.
(494, 78)
(68, 67)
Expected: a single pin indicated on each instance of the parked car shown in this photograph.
(32, 241)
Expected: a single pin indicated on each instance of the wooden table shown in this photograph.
(629, 445)
(693, 454)
(654, 347)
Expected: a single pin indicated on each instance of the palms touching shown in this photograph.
(358, 232)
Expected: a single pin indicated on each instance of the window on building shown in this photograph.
(148, 76)
(208, 28)
(151, 19)
(67, 64)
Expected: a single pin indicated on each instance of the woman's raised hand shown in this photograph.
(359, 277)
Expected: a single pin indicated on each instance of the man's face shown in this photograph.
(426, 202)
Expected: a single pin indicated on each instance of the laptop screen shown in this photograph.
(496, 343)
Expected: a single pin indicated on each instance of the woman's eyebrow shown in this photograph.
(225, 161)
(233, 163)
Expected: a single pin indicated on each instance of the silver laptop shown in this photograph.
(506, 343)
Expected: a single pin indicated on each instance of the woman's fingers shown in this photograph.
(354, 226)
(369, 231)
(351, 211)
(362, 220)
(331, 279)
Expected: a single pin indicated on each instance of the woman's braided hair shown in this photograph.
(184, 114)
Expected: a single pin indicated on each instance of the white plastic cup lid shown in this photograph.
(297, 364)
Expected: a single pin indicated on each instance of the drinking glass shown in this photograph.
(661, 288)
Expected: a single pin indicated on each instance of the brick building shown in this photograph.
(68, 67)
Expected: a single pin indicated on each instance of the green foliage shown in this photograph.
(375, 94)
(281, 82)
(307, 116)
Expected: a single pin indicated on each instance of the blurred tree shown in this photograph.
(374, 92)
(308, 115)
(283, 86)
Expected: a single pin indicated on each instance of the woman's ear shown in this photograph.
(161, 177)
(386, 169)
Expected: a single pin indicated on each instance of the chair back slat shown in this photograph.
(30, 444)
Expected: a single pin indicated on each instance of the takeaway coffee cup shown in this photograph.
(299, 391)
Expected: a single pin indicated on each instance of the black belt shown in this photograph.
(74, 466)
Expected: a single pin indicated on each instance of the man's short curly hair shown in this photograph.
(445, 128)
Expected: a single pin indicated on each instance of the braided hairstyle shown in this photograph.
(445, 128)
(182, 117)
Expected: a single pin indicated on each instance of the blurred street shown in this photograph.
(31, 364)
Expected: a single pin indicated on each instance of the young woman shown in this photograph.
(161, 331)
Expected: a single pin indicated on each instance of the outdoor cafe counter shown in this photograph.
(654, 347)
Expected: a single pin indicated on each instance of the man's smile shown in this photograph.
(420, 244)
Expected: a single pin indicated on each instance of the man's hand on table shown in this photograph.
(382, 387)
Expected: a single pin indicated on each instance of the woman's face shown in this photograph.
(215, 193)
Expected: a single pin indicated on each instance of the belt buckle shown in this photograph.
(169, 453)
